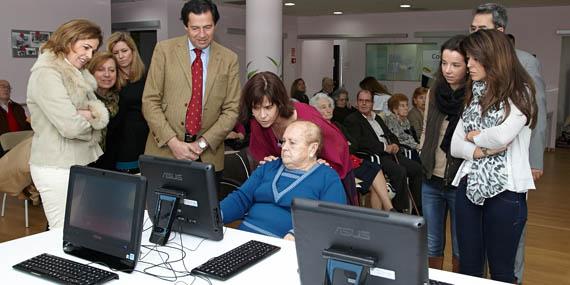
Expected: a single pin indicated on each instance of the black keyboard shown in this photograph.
(236, 260)
(435, 282)
(64, 271)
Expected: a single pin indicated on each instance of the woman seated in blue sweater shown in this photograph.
(264, 200)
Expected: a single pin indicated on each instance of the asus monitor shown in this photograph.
(182, 197)
(343, 244)
(104, 216)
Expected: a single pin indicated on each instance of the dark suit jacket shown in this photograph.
(364, 137)
(20, 115)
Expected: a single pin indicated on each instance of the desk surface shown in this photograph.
(280, 268)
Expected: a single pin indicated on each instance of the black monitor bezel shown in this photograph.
(321, 226)
(97, 247)
(205, 221)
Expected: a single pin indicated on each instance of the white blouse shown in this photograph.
(512, 133)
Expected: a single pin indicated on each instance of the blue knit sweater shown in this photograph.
(264, 200)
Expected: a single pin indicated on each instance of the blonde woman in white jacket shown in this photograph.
(65, 113)
(493, 137)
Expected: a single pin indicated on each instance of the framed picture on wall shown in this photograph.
(27, 43)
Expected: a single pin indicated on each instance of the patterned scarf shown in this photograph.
(488, 176)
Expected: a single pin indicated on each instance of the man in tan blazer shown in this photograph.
(168, 90)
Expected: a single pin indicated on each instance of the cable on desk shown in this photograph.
(184, 264)
(167, 263)
(144, 223)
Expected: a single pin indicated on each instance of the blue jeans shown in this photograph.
(436, 200)
(493, 229)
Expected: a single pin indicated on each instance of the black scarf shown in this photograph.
(449, 102)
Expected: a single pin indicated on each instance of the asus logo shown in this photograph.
(348, 232)
(172, 176)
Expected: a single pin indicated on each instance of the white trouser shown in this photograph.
(52, 182)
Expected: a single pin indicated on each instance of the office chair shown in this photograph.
(237, 169)
(9, 141)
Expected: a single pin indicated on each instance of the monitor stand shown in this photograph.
(343, 268)
(165, 213)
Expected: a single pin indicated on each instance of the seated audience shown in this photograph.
(380, 92)
(342, 106)
(370, 173)
(265, 99)
(416, 114)
(298, 91)
(12, 115)
(371, 135)
(397, 122)
(264, 200)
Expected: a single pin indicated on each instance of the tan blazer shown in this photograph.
(168, 90)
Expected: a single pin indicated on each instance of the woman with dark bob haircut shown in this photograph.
(493, 138)
(265, 102)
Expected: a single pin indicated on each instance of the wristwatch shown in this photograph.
(202, 144)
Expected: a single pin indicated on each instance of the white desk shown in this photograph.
(280, 268)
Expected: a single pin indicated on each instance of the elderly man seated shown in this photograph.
(264, 200)
(371, 135)
(12, 115)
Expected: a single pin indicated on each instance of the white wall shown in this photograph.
(42, 16)
(318, 63)
(534, 29)
(233, 17)
(290, 70)
(146, 10)
(175, 25)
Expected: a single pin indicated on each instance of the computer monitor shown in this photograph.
(104, 216)
(188, 188)
(342, 244)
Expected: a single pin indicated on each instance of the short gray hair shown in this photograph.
(317, 97)
(499, 13)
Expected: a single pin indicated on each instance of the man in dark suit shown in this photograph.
(371, 135)
(191, 95)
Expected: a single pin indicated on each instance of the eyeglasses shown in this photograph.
(6, 87)
(364, 101)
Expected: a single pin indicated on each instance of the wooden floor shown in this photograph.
(548, 237)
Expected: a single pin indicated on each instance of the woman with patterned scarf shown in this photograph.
(493, 137)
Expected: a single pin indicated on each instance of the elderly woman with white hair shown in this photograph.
(264, 200)
(370, 173)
